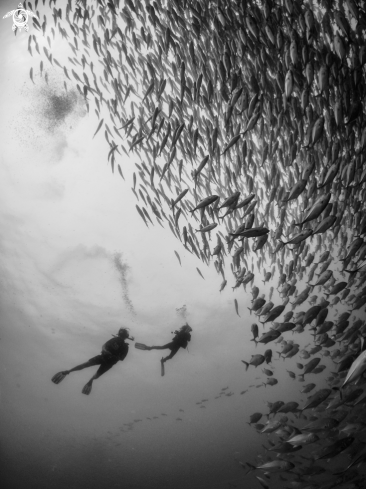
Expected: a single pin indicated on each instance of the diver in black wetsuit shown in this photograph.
(113, 350)
(180, 340)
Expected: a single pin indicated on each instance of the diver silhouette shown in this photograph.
(180, 340)
(113, 350)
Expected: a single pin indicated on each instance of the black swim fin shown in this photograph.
(59, 377)
(141, 346)
(87, 388)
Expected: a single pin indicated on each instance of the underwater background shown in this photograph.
(78, 262)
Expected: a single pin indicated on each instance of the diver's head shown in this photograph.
(186, 328)
(123, 333)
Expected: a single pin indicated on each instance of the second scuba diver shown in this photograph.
(180, 340)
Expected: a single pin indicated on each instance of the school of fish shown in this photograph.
(248, 118)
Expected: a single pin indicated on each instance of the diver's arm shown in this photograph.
(122, 354)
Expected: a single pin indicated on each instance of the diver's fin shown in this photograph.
(57, 378)
(162, 368)
(141, 346)
(87, 388)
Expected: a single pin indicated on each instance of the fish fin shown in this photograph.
(246, 365)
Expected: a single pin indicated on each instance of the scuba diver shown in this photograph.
(113, 350)
(180, 340)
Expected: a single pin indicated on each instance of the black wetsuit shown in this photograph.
(180, 340)
(113, 350)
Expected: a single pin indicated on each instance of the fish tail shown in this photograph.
(246, 365)
(250, 310)
(252, 467)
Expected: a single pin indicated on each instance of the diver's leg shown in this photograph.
(87, 364)
(171, 355)
(164, 347)
(56, 379)
(101, 370)
(90, 363)
(163, 360)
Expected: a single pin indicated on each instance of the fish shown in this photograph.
(324, 277)
(321, 424)
(236, 307)
(271, 335)
(251, 233)
(336, 288)
(254, 330)
(177, 255)
(355, 371)
(273, 314)
(257, 304)
(310, 315)
(205, 202)
(180, 197)
(262, 482)
(207, 228)
(271, 426)
(98, 128)
(303, 439)
(289, 407)
(274, 466)
(316, 209)
(256, 360)
(223, 285)
(334, 449)
(199, 271)
(268, 356)
(298, 238)
(254, 418)
(317, 398)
